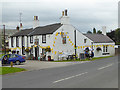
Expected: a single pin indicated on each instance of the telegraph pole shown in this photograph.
(4, 38)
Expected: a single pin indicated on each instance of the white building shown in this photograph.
(61, 38)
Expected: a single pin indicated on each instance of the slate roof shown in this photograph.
(99, 38)
(48, 29)
(24, 32)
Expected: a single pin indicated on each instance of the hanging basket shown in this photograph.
(48, 49)
(98, 49)
(27, 50)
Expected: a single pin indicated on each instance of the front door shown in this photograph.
(36, 52)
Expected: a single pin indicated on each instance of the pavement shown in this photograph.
(101, 73)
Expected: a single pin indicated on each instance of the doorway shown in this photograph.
(36, 52)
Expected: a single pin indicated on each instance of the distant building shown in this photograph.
(8, 33)
(57, 39)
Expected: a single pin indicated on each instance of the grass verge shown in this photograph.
(96, 58)
(7, 70)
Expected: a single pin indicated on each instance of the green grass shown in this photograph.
(1, 55)
(96, 58)
(7, 70)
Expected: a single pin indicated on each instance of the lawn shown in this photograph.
(96, 58)
(7, 70)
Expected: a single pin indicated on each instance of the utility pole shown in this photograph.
(75, 42)
(4, 38)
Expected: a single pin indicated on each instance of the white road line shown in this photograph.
(105, 67)
(69, 77)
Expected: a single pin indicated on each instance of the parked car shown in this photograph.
(15, 58)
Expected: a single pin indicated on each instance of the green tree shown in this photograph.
(117, 35)
(89, 32)
(94, 30)
(99, 32)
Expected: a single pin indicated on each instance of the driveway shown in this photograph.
(37, 65)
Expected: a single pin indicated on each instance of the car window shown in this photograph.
(13, 56)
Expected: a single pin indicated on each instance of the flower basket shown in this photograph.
(98, 49)
(48, 49)
(27, 50)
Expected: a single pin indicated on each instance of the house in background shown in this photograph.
(58, 39)
(8, 33)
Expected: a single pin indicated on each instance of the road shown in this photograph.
(101, 73)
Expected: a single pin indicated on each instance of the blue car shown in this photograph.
(15, 58)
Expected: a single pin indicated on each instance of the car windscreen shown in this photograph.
(13, 56)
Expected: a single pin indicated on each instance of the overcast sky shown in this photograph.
(84, 14)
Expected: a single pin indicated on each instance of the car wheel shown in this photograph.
(17, 62)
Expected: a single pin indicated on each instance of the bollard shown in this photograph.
(11, 64)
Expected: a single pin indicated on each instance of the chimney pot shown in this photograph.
(66, 12)
(62, 13)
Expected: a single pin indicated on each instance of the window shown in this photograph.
(85, 40)
(17, 42)
(23, 41)
(43, 38)
(31, 39)
(13, 56)
(105, 48)
(11, 41)
(64, 40)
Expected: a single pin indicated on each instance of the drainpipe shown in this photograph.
(75, 42)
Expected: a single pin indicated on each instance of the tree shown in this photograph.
(99, 32)
(89, 32)
(115, 35)
(94, 30)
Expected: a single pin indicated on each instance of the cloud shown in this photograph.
(84, 14)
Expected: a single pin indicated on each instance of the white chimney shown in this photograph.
(104, 30)
(35, 22)
(64, 19)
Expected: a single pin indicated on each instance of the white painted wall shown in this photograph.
(111, 50)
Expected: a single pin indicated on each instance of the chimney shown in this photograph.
(64, 19)
(35, 22)
(17, 28)
(104, 30)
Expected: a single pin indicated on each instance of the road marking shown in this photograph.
(105, 67)
(69, 77)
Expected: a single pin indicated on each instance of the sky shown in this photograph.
(84, 14)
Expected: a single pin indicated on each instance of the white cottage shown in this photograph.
(59, 39)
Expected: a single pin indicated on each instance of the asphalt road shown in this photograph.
(101, 73)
